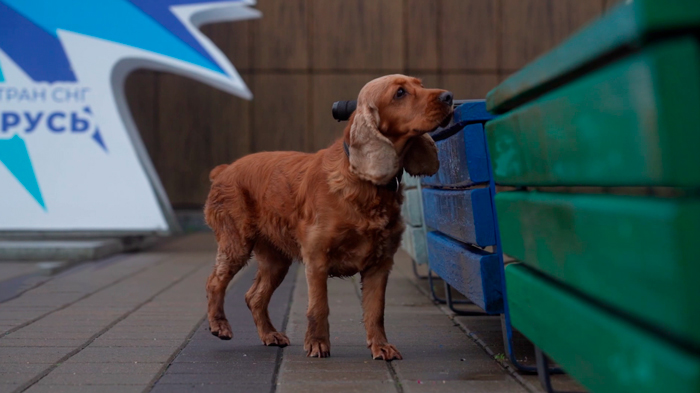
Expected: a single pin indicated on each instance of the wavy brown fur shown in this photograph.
(319, 209)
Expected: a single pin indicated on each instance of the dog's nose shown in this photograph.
(446, 97)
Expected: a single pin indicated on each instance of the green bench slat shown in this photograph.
(602, 351)
(414, 243)
(626, 25)
(640, 255)
(635, 122)
(412, 208)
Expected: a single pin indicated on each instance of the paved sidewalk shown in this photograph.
(135, 323)
(243, 364)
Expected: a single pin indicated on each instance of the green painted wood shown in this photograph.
(601, 350)
(412, 208)
(405, 245)
(414, 243)
(640, 255)
(410, 181)
(420, 245)
(635, 122)
(627, 25)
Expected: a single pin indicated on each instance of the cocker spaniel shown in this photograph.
(337, 210)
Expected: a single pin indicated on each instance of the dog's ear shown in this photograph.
(421, 158)
(372, 155)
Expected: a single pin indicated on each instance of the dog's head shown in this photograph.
(390, 125)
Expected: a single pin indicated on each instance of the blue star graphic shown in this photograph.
(145, 24)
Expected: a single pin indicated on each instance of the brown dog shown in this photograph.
(337, 210)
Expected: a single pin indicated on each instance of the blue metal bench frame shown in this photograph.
(470, 117)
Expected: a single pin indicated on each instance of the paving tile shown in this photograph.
(257, 352)
(355, 353)
(75, 323)
(168, 286)
(86, 389)
(108, 368)
(161, 324)
(245, 368)
(337, 387)
(350, 367)
(449, 336)
(8, 387)
(183, 331)
(330, 365)
(31, 333)
(154, 342)
(64, 328)
(40, 342)
(10, 270)
(241, 364)
(89, 278)
(19, 377)
(123, 355)
(21, 368)
(348, 339)
(17, 320)
(239, 387)
(96, 379)
(340, 374)
(33, 354)
(432, 370)
(261, 375)
(143, 335)
(462, 386)
(132, 353)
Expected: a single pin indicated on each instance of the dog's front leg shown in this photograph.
(374, 283)
(317, 342)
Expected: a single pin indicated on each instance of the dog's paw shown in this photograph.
(385, 351)
(221, 329)
(317, 348)
(275, 339)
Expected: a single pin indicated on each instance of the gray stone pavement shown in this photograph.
(243, 364)
(73, 250)
(487, 332)
(135, 323)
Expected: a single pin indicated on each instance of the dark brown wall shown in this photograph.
(304, 54)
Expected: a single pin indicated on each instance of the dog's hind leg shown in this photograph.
(229, 260)
(272, 268)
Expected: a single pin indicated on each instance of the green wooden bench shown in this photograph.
(413, 240)
(608, 284)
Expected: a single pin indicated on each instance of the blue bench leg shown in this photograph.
(432, 289)
(437, 298)
(415, 271)
(451, 303)
(543, 371)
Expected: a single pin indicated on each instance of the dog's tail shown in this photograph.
(215, 172)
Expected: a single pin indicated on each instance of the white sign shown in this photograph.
(71, 158)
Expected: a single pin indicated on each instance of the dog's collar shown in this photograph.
(392, 185)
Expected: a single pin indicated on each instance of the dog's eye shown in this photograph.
(400, 93)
